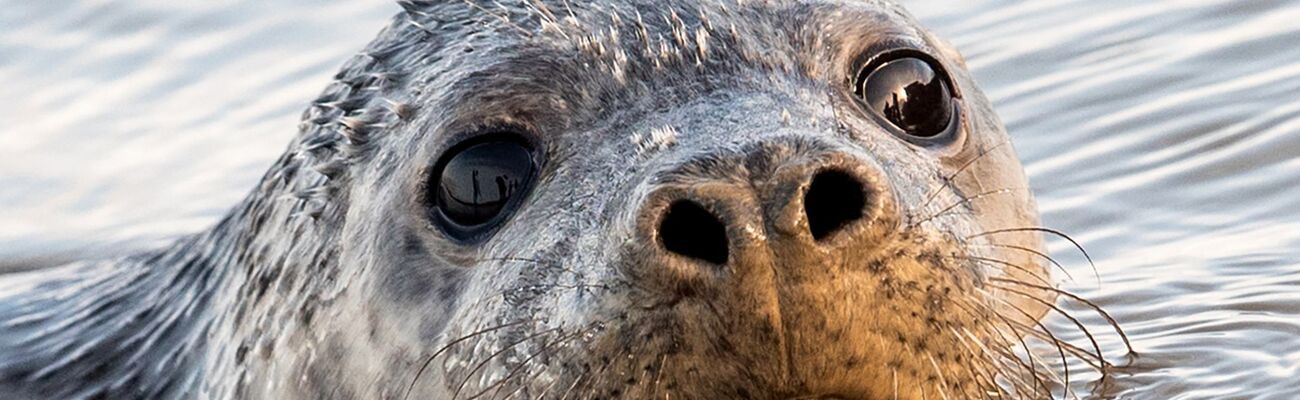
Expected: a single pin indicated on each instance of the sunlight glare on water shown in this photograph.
(1163, 135)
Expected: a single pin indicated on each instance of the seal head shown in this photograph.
(635, 199)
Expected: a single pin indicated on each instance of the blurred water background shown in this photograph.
(1163, 135)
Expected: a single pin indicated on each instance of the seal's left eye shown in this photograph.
(477, 184)
(910, 92)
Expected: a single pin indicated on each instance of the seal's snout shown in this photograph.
(790, 258)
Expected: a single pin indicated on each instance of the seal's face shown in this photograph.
(650, 200)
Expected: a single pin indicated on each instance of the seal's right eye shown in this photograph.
(910, 92)
(477, 184)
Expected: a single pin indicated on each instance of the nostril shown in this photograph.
(834, 199)
(690, 230)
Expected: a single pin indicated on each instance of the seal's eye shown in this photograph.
(476, 184)
(909, 92)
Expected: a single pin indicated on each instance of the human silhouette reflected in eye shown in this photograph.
(464, 191)
(910, 94)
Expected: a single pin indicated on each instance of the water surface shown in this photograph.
(1163, 135)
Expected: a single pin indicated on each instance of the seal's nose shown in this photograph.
(832, 200)
(702, 225)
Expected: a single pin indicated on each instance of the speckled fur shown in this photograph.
(328, 281)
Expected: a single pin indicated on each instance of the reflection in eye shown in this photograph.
(478, 182)
(911, 95)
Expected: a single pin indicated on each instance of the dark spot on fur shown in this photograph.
(241, 353)
(264, 281)
(267, 349)
(931, 257)
(852, 362)
(101, 394)
(307, 310)
(100, 370)
(876, 266)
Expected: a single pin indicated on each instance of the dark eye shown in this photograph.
(910, 93)
(477, 184)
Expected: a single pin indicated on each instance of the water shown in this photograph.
(127, 123)
(1163, 135)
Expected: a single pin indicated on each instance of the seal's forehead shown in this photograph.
(664, 33)
(532, 42)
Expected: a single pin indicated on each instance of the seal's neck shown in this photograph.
(126, 328)
(154, 324)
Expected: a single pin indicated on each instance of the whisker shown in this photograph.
(1045, 256)
(1076, 351)
(1009, 339)
(1109, 319)
(1093, 360)
(1019, 384)
(948, 179)
(659, 374)
(1032, 365)
(970, 352)
(455, 395)
(991, 356)
(1049, 231)
(545, 390)
(544, 350)
(1063, 313)
(1017, 381)
(966, 200)
(600, 374)
(572, 386)
(1065, 364)
(943, 381)
(448, 346)
(1054, 377)
(1008, 264)
(552, 264)
(895, 373)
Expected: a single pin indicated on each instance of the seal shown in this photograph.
(560, 199)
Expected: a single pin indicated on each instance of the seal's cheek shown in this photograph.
(419, 291)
